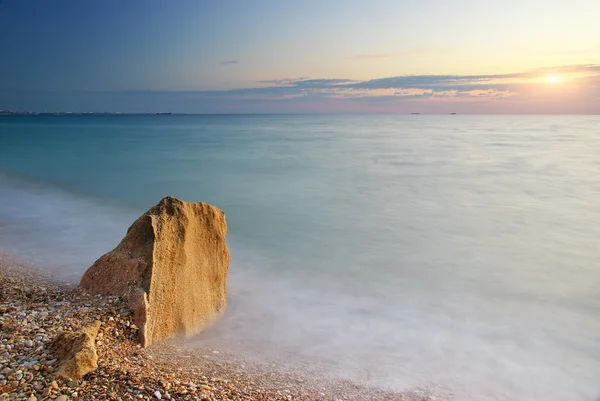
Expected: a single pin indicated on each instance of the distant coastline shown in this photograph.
(75, 113)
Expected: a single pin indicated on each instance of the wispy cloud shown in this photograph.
(229, 62)
(569, 69)
(305, 82)
(378, 56)
(426, 85)
(527, 84)
(519, 92)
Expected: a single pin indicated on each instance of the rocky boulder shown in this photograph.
(171, 268)
(76, 352)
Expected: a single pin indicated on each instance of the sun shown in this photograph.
(553, 79)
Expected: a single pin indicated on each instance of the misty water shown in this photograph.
(459, 252)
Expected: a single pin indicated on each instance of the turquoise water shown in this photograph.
(459, 252)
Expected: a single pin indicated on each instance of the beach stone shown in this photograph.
(171, 268)
(76, 352)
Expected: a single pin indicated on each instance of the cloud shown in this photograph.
(229, 62)
(379, 56)
(579, 92)
(304, 82)
(494, 85)
(582, 68)
(519, 85)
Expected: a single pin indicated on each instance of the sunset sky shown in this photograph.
(270, 56)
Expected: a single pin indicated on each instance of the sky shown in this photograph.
(310, 56)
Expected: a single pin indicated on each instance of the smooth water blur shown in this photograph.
(454, 251)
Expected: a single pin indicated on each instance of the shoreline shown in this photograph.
(35, 307)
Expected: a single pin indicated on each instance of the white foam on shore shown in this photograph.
(379, 342)
(55, 230)
(308, 321)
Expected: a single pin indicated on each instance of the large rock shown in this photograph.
(171, 268)
(76, 352)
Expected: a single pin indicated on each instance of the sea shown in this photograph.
(454, 252)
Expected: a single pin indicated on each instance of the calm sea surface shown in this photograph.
(459, 252)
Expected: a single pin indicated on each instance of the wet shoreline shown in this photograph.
(35, 307)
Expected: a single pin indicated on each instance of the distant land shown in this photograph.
(113, 113)
(70, 113)
(104, 113)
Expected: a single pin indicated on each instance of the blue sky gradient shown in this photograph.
(268, 56)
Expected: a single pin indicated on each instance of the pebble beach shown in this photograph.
(34, 308)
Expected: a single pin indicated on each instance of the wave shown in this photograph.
(56, 230)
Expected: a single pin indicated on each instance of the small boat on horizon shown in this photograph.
(415, 113)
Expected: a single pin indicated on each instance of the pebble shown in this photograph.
(125, 371)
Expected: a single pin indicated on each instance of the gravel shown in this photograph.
(34, 309)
